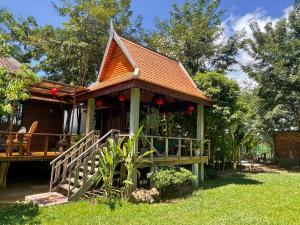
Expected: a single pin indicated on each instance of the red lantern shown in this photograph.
(122, 98)
(191, 108)
(160, 101)
(99, 102)
(53, 91)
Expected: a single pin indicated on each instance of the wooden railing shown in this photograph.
(81, 170)
(172, 146)
(41, 142)
(59, 165)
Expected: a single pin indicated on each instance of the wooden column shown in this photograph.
(89, 126)
(198, 168)
(134, 123)
(4, 165)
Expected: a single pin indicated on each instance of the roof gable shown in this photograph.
(125, 60)
(114, 44)
(117, 64)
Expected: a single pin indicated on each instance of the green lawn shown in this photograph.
(265, 198)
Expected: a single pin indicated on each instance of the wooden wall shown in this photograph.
(287, 146)
(51, 120)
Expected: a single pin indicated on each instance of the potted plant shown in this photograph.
(173, 182)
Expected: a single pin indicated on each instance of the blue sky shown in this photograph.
(238, 14)
(43, 11)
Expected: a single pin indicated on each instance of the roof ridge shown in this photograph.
(151, 50)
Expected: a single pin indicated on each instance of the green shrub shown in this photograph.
(172, 176)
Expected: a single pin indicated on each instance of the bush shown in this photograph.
(172, 176)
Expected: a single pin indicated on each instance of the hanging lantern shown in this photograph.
(160, 101)
(53, 91)
(190, 109)
(99, 102)
(122, 98)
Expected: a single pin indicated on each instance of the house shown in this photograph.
(287, 147)
(132, 79)
(45, 107)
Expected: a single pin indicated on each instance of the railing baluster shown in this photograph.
(151, 148)
(46, 145)
(191, 148)
(93, 159)
(76, 175)
(167, 147)
(85, 171)
(179, 148)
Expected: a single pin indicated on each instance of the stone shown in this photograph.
(142, 195)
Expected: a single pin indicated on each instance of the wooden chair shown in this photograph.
(26, 140)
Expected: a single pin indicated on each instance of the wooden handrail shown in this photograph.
(91, 147)
(72, 147)
(38, 134)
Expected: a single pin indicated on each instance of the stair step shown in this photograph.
(89, 168)
(96, 162)
(89, 176)
(66, 187)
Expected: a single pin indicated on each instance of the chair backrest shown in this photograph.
(32, 129)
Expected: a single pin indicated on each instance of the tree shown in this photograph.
(13, 84)
(276, 69)
(17, 33)
(73, 52)
(193, 36)
(222, 113)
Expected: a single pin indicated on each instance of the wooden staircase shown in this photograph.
(74, 171)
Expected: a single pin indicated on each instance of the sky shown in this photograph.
(237, 16)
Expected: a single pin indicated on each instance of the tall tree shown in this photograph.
(73, 52)
(13, 84)
(17, 33)
(276, 69)
(221, 114)
(193, 34)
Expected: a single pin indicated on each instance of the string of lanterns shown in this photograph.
(159, 101)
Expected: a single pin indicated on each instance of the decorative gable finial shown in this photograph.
(111, 26)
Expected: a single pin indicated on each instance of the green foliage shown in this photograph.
(222, 114)
(18, 33)
(276, 69)
(116, 153)
(172, 176)
(253, 198)
(192, 35)
(131, 160)
(73, 52)
(151, 121)
(13, 88)
(110, 159)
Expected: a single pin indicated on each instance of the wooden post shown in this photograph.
(198, 169)
(46, 145)
(89, 126)
(4, 165)
(134, 123)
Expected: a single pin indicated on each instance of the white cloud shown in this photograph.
(235, 24)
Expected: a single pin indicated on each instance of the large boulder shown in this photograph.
(142, 195)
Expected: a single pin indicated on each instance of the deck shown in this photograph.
(36, 156)
(174, 160)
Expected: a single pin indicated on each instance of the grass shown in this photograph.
(264, 198)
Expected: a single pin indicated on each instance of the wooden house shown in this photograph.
(131, 79)
(287, 147)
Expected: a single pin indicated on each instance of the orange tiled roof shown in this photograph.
(154, 68)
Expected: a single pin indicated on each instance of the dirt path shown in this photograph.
(259, 167)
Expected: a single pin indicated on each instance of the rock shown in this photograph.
(142, 195)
